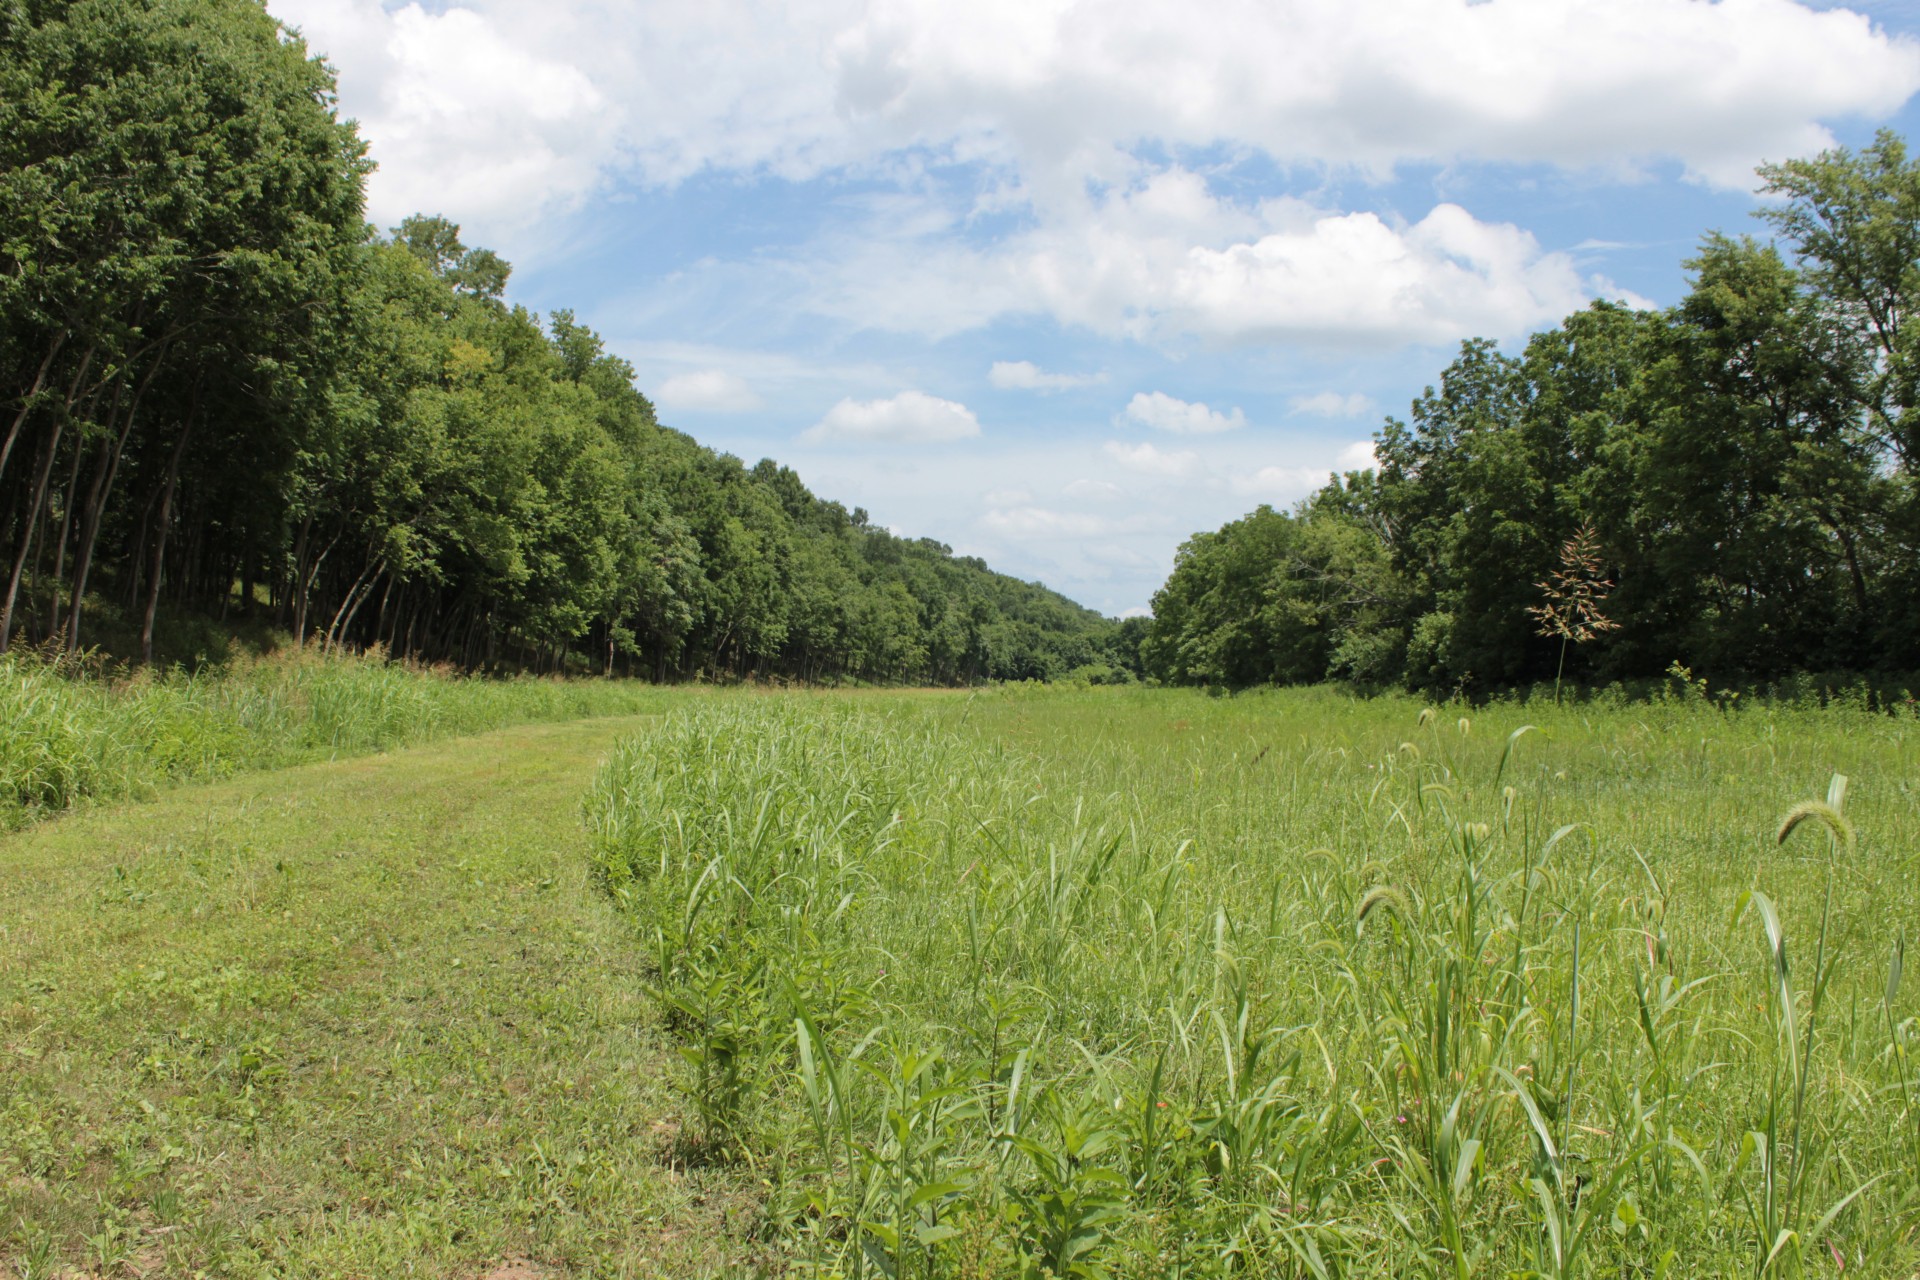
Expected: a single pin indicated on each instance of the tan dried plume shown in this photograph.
(1575, 592)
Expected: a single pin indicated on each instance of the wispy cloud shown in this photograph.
(1148, 460)
(1331, 404)
(1024, 375)
(708, 390)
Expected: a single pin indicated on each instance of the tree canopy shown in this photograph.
(1741, 464)
(224, 393)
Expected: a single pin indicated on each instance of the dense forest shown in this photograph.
(1727, 485)
(225, 394)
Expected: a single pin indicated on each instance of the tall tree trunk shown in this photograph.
(1854, 573)
(162, 528)
(346, 624)
(26, 405)
(135, 585)
(303, 591)
(368, 576)
(112, 449)
(380, 636)
(283, 612)
(27, 536)
(60, 546)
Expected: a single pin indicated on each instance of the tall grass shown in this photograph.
(1135, 983)
(67, 734)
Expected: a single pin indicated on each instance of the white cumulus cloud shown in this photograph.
(1169, 261)
(466, 116)
(1359, 456)
(708, 390)
(1574, 82)
(502, 110)
(1024, 375)
(1355, 277)
(1163, 412)
(912, 417)
(1278, 483)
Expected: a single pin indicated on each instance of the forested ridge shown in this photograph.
(225, 394)
(1725, 486)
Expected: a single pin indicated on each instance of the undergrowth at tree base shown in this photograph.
(78, 730)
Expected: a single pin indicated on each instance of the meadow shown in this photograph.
(1023, 981)
(1136, 983)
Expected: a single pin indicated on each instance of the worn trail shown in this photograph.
(364, 1018)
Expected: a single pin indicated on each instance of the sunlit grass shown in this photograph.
(363, 1018)
(70, 735)
(1142, 983)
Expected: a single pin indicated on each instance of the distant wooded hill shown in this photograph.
(224, 393)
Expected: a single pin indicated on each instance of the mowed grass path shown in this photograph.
(364, 1018)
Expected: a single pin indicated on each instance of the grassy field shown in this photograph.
(1011, 983)
(1146, 984)
(74, 734)
(361, 1019)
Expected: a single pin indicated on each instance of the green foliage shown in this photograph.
(1742, 464)
(1279, 598)
(222, 394)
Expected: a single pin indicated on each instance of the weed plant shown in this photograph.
(68, 733)
(1135, 983)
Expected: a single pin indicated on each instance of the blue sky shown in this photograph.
(1061, 283)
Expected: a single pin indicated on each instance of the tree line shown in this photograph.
(1728, 482)
(226, 394)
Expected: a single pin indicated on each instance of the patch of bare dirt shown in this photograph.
(519, 1269)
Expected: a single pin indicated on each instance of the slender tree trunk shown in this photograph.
(304, 593)
(112, 449)
(283, 612)
(161, 530)
(367, 594)
(39, 382)
(372, 571)
(1854, 574)
(380, 619)
(26, 615)
(60, 547)
(27, 536)
(135, 586)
